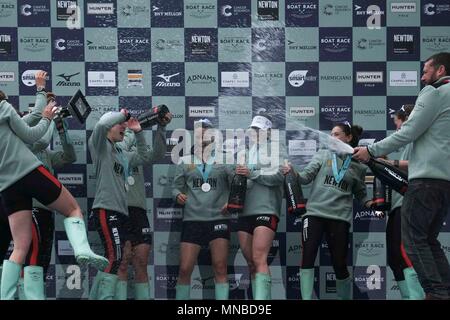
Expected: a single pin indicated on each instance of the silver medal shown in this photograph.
(130, 180)
(206, 187)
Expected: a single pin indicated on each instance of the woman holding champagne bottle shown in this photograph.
(336, 179)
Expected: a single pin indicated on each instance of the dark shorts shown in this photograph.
(203, 232)
(249, 223)
(140, 232)
(39, 184)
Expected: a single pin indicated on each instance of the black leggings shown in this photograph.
(396, 255)
(337, 235)
(113, 228)
(43, 228)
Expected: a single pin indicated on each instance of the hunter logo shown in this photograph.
(100, 8)
(169, 213)
(71, 178)
(369, 77)
(202, 112)
(7, 76)
(403, 7)
(300, 111)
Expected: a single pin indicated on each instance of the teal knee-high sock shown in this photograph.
(307, 283)
(222, 290)
(263, 286)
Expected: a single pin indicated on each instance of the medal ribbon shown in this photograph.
(206, 167)
(339, 175)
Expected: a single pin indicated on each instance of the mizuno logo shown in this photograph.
(167, 78)
(68, 77)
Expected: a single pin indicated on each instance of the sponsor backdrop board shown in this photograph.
(313, 62)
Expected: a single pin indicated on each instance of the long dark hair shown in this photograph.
(355, 130)
(404, 112)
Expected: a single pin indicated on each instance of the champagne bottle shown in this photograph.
(236, 198)
(296, 203)
(151, 117)
(389, 175)
(381, 196)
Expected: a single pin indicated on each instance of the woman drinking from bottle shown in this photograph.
(113, 170)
